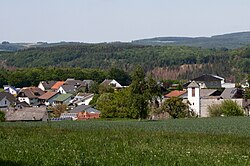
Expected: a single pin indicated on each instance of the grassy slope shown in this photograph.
(213, 141)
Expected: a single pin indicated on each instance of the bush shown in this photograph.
(2, 116)
(176, 108)
(215, 110)
(226, 108)
(231, 108)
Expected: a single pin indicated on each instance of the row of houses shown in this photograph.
(20, 103)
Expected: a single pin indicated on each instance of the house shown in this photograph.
(63, 99)
(11, 89)
(112, 83)
(48, 98)
(72, 81)
(67, 89)
(82, 112)
(57, 85)
(30, 95)
(6, 100)
(209, 81)
(83, 98)
(200, 99)
(46, 85)
(27, 114)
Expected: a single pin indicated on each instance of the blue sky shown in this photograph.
(119, 20)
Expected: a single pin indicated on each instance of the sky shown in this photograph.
(96, 21)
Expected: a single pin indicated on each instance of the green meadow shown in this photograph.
(208, 141)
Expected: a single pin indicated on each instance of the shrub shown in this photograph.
(215, 110)
(226, 108)
(176, 108)
(2, 116)
(231, 108)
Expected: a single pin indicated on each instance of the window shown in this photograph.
(193, 92)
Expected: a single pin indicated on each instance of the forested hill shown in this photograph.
(170, 62)
(230, 41)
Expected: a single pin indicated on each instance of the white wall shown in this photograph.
(194, 101)
(4, 102)
(41, 86)
(26, 99)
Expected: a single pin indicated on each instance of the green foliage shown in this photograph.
(2, 116)
(226, 108)
(131, 102)
(231, 108)
(215, 110)
(210, 141)
(176, 108)
(123, 56)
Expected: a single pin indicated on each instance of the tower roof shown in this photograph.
(193, 84)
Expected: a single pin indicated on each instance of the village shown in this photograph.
(38, 103)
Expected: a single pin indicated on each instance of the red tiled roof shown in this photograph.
(175, 93)
(57, 85)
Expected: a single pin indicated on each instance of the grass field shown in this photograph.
(211, 141)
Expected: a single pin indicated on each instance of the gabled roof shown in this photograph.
(8, 96)
(30, 92)
(63, 97)
(193, 84)
(48, 84)
(106, 82)
(26, 114)
(57, 85)
(82, 108)
(69, 88)
(208, 77)
(48, 95)
(74, 82)
(175, 93)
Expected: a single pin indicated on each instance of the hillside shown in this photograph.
(229, 41)
(167, 62)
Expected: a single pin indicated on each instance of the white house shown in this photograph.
(112, 83)
(83, 98)
(46, 85)
(10, 89)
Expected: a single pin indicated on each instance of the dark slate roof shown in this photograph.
(208, 77)
(8, 96)
(74, 82)
(69, 88)
(48, 84)
(79, 108)
(82, 108)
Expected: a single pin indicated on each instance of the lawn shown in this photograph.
(210, 141)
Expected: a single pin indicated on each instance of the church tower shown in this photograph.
(194, 97)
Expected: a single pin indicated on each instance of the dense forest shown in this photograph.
(165, 62)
